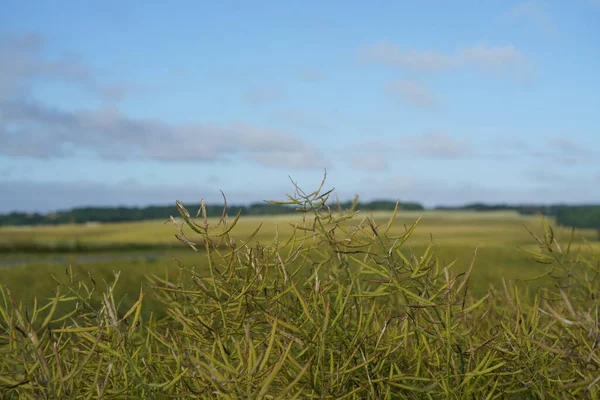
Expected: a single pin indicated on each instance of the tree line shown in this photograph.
(523, 209)
(586, 216)
(581, 216)
(130, 214)
(575, 216)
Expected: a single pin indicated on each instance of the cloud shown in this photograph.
(368, 156)
(566, 151)
(484, 56)
(567, 147)
(562, 150)
(23, 64)
(375, 156)
(370, 162)
(480, 55)
(507, 148)
(301, 120)
(115, 92)
(532, 12)
(555, 150)
(413, 93)
(422, 60)
(258, 96)
(510, 143)
(34, 130)
(439, 145)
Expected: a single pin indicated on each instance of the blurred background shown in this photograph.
(481, 116)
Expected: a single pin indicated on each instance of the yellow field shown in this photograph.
(498, 236)
(464, 228)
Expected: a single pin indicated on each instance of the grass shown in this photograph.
(452, 227)
(150, 247)
(338, 306)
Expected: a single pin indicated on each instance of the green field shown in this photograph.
(139, 249)
(325, 307)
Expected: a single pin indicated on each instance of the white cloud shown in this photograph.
(300, 120)
(368, 156)
(510, 143)
(439, 145)
(480, 55)
(23, 63)
(422, 60)
(413, 93)
(373, 156)
(567, 147)
(567, 151)
(370, 162)
(489, 57)
(555, 150)
(33, 130)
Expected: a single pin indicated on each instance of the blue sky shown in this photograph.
(441, 102)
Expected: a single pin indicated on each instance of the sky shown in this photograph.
(440, 102)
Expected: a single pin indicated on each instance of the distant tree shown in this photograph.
(384, 205)
(587, 216)
(574, 216)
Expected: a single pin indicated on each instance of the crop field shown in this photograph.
(139, 249)
(380, 306)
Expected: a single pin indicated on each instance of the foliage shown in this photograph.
(125, 214)
(580, 217)
(339, 309)
(382, 205)
(523, 209)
